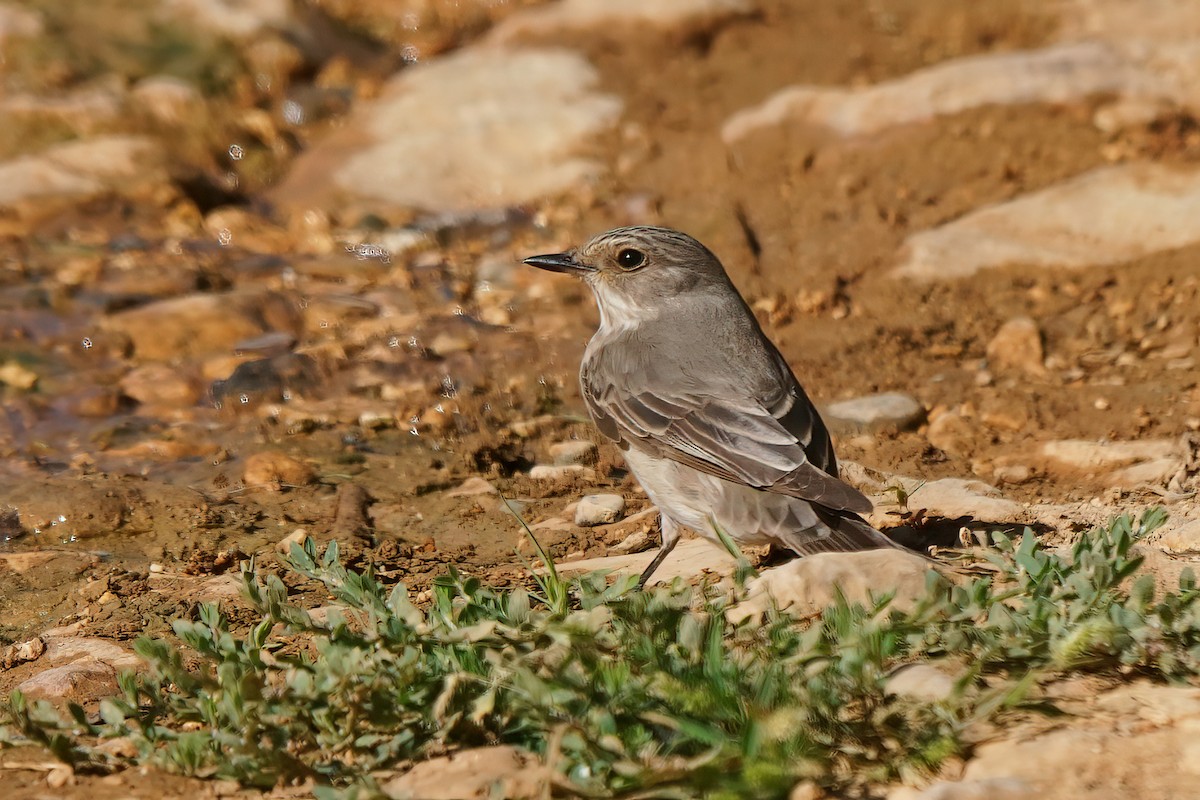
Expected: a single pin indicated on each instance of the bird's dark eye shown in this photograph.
(630, 258)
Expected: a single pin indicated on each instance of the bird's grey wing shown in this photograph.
(738, 440)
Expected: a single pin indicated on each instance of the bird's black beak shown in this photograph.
(558, 262)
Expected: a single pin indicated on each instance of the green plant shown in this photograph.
(622, 691)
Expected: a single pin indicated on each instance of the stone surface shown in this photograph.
(925, 682)
(573, 451)
(951, 433)
(482, 772)
(17, 376)
(168, 99)
(872, 412)
(987, 789)
(571, 15)
(239, 18)
(1018, 345)
(80, 681)
(1182, 539)
(1074, 764)
(73, 648)
(155, 384)
(690, 559)
(274, 471)
(471, 487)
(636, 542)
(599, 509)
(19, 23)
(79, 169)
(952, 498)
(199, 324)
(1080, 454)
(804, 587)
(1106, 216)
(82, 110)
(560, 472)
(483, 128)
(1058, 74)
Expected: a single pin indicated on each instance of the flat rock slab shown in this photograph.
(691, 558)
(1082, 454)
(953, 498)
(80, 169)
(1102, 217)
(808, 585)
(891, 409)
(573, 15)
(1058, 74)
(487, 127)
(501, 771)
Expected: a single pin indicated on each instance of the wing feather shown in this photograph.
(738, 440)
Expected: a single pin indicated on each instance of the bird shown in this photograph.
(708, 415)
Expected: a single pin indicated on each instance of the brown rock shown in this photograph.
(807, 585)
(482, 772)
(951, 434)
(200, 325)
(276, 470)
(80, 681)
(1018, 345)
(159, 384)
(18, 376)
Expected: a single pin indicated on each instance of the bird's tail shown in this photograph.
(846, 531)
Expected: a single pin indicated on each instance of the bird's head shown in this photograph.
(638, 270)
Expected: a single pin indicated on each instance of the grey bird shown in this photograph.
(709, 416)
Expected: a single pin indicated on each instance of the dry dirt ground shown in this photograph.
(137, 498)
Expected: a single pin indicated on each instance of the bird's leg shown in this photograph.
(670, 538)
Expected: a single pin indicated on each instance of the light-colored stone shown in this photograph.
(573, 15)
(872, 412)
(561, 472)
(297, 537)
(168, 99)
(951, 433)
(471, 487)
(240, 18)
(501, 771)
(599, 509)
(952, 498)
(806, 586)
(22, 652)
(1106, 216)
(275, 470)
(61, 649)
(80, 169)
(1059, 74)
(19, 23)
(196, 324)
(1082, 454)
(636, 542)
(17, 376)
(1182, 539)
(987, 789)
(1018, 345)
(690, 559)
(82, 110)
(486, 127)
(1090, 764)
(159, 384)
(1148, 473)
(80, 681)
(573, 451)
(925, 682)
